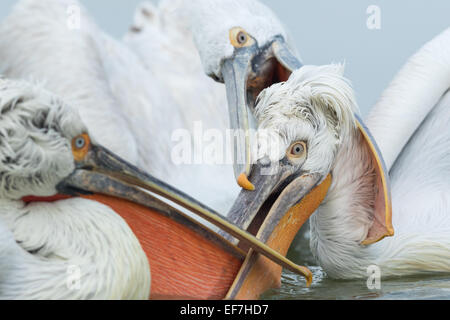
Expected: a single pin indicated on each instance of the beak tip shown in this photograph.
(243, 182)
(308, 277)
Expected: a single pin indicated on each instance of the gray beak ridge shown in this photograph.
(250, 62)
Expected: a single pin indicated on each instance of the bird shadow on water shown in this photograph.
(324, 288)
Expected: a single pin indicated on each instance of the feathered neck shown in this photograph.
(344, 218)
(70, 249)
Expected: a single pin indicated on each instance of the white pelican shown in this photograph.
(47, 161)
(40, 242)
(409, 124)
(312, 113)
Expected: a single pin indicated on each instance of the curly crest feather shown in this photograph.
(35, 132)
(316, 105)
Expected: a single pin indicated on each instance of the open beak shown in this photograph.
(275, 194)
(283, 200)
(246, 74)
(102, 172)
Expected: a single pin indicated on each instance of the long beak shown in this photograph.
(235, 73)
(245, 75)
(274, 194)
(103, 172)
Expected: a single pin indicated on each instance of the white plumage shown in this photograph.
(420, 175)
(410, 97)
(417, 102)
(129, 104)
(151, 85)
(316, 105)
(88, 69)
(419, 188)
(101, 76)
(64, 62)
(210, 23)
(40, 243)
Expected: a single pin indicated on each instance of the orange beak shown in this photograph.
(101, 172)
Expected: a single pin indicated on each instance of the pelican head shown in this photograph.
(302, 124)
(244, 45)
(35, 133)
(45, 149)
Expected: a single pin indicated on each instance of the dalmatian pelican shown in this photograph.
(316, 131)
(44, 142)
(247, 56)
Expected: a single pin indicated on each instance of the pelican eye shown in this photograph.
(239, 38)
(297, 150)
(80, 146)
(80, 142)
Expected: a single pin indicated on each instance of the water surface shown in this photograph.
(411, 287)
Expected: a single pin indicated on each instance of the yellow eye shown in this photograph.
(80, 146)
(296, 150)
(239, 38)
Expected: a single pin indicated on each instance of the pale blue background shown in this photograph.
(329, 31)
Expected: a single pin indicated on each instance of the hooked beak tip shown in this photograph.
(243, 181)
(308, 276)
